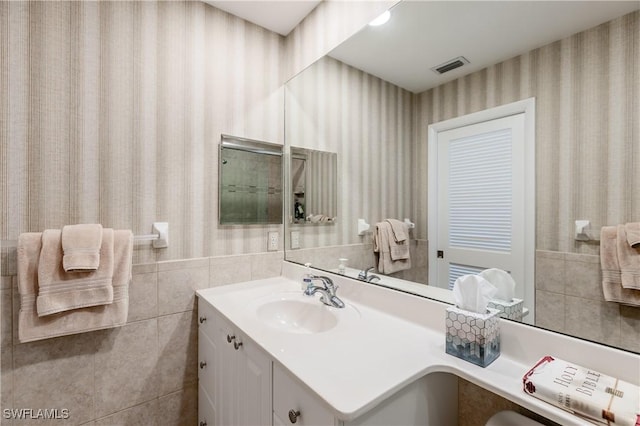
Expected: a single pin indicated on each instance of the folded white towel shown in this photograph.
(399, 229)
(629, 260)
(61, 291)
(81, 246)
(633, 234)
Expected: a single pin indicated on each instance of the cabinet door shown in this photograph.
(227, 392)
(234, 373)
(208, 353)
(253, 377)
(290, 394)
(206, 411)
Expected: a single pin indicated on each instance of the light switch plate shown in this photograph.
(272, 241)
(295, 239)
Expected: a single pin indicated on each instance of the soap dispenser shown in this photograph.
(342, 267)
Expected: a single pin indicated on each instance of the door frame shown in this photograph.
(526, 106)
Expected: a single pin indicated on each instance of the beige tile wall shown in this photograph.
(569, 300)
(142, 373)
(361, 256)
(476, 405)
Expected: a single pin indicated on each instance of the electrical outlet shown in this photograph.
(272, 241)
(295, 239)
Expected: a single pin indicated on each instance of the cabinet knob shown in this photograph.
(293, 415)
(230, 338)
(202, 319)
(203, 364)
(203, 423)
(237, 345)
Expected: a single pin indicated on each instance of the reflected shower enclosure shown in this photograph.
(250, 189)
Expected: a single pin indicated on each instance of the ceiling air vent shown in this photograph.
(450, 65)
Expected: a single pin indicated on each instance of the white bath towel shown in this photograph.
(633, 234)
(611, 277)
(32, 327)
(390, 256)
(62, 291)
(81, 245)
(628, 260)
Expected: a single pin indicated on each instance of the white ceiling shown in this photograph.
(278, 16)
(423, 34)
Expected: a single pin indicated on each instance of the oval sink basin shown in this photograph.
(297, 317)
(293, 312)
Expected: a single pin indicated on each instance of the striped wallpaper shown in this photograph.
(112, 112)
(328, 25)
(368, 123)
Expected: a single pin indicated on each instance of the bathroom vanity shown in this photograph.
(270, 355)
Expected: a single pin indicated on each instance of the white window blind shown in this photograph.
(480, 191)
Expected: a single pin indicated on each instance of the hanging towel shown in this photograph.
(31, 327)
(386, 248)
(81, 245)
(61, 291)
(399, 229)
(633, 234)
(628, 260)
(398, 242)
(611, 277)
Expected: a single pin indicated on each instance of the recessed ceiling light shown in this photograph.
(381, 19)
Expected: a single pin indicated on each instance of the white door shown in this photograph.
(482, 196)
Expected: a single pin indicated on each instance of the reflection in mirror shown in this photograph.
(313, 185)
(250, 182)
(585, 87)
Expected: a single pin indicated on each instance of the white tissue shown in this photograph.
(472, 293)
(502, 281)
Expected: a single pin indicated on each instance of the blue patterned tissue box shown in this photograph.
(510, 310)
(473, 337)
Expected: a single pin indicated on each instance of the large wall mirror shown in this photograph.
(372, 99)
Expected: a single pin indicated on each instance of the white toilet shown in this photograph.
(511, 418)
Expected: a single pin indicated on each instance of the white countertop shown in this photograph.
(398, 339)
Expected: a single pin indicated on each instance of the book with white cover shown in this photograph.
(584, 392)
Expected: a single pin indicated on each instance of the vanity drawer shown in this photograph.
(289, 394)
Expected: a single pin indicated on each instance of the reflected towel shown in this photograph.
(611, 277)
(628, 260)
(399, 229)
(60, 291)
(398, 242)
(633, 234)
(384, 247)
(32, 327)
(81, 245)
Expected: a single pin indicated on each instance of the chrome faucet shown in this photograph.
(327, 291)
(364, 275)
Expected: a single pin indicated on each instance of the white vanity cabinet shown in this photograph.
(294, 404)
(240, 385)
(234, 374)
